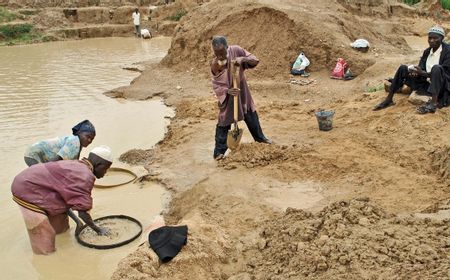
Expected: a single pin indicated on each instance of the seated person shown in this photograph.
(431, 76)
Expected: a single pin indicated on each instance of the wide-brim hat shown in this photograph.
(167, 241)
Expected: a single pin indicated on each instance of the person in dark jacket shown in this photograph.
(430, 77)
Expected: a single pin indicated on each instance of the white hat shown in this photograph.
(104, 152)
(438, 30)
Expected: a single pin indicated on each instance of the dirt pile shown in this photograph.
(367, 7)
(272, 35)
(433, 8)
(137, 156)
(351, 239)
(255, 154)
(440, 163)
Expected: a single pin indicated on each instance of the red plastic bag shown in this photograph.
(339, 69)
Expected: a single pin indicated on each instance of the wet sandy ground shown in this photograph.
(383, 156)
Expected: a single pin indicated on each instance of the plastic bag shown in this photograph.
(339, 70)
(360, 43)
(301, 62)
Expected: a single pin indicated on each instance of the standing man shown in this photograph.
(137, 22)
(221, 67)
(46, 192)
(431, 76)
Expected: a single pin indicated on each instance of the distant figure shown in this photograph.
(224, 57)
(145, 33)
(137, 22)
(45, 193)
(431, 77)
(66, 147)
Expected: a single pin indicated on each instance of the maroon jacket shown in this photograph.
(222, 82)
(56, 186)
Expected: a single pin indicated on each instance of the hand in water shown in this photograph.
(103, 231)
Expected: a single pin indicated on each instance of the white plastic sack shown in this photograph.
(301, 62)
(360, 43)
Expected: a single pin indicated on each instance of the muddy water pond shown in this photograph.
(44, 90)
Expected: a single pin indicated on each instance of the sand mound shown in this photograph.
(256, 154)
(349, 240)
(440, 159)
(275, 37)
(137, 156)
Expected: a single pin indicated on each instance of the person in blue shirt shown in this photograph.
(61, 148)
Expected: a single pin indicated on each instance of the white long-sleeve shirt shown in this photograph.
(136, 18)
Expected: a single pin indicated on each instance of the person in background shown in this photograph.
(45, 193)
(137, 21)
(66, 147)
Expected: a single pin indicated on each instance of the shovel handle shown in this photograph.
(235, 98)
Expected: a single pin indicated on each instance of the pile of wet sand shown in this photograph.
(349, 239)
(440, 159)
(284, 38)
(137, 156)
(256, 154)
(346, 240)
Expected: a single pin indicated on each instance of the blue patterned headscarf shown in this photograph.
(84, 126)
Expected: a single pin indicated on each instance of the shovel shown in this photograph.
(234, 135)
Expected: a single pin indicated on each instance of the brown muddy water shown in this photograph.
(44, 90)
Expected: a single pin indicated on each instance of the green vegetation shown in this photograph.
(445, 4)
(15, 31)
(411, 2)
(177, 16)
(375, 88)
(5, 15)
(19, 33)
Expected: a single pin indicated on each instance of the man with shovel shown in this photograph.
(229, 65)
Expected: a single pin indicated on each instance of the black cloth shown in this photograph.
(84, 126)
(251, 120)
(167, 241)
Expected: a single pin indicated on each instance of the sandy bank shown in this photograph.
(236, 209)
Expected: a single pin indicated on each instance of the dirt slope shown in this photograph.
(277, 36)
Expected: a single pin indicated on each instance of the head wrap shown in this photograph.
(437, 30)
(104, 152)
(84, 126)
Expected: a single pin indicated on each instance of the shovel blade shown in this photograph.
(234, 138)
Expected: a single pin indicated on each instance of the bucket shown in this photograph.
(325, 120)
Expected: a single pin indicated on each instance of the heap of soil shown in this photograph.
(322, 39)
(256, 154)
(351, 239)
(440, 159)
(137, 156)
